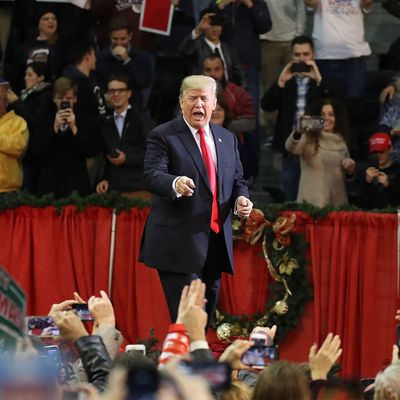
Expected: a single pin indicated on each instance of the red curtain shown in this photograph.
(137, 293)
(353, 268)
(52, 255)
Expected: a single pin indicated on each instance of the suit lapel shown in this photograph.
(127, 122)
(220, 154)
(193, 150)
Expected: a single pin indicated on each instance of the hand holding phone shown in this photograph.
(300, 67)
(312, 123)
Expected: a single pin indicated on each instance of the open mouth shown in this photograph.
(198, 115)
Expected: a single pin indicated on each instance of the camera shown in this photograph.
(260, 355)
(312, 123)
(82, 311)
(217, 20)
(217, 374)
(300, 67)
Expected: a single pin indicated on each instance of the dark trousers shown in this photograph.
(346, 77)
(173, 283)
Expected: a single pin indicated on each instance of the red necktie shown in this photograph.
(215, 223)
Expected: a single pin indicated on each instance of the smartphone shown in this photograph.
(43, 326)
(136, 347)
(82, 311)
(217, 374)
(261, 338)
(217, 20)
(312, 123)
(260, 355)
(143, 383)
(113, 154)
(64, 105)
(52, 355)
(300, 67)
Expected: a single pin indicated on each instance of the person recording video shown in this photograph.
(299, 85)
(320, 141)
(381, 179)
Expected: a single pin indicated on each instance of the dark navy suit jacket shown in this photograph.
(176, 234)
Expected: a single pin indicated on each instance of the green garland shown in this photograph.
(289, 266)
(297, 281)
(111, 200)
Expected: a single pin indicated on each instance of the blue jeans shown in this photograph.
(290, 176)
(347, 76)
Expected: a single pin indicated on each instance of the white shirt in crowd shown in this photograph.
(339, 30)
(288, 20)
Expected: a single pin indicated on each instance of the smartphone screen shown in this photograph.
(260, 355)
(82, 311)
(43, 326)
(52, 354)
(217, 374)
(65, 105)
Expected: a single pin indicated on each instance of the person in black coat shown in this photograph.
(121, 57)
(124, 135)
(61, 144)
(34, 103)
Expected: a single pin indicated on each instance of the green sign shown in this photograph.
(12, 313)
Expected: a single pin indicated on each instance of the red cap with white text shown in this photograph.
(379, 142)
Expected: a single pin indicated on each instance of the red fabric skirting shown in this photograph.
(353, 268)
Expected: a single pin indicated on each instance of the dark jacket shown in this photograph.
(374, 195)
(182, 225)
(95, 359)
(284, 101)
(138, 68)
(128, 176)
(246, 26)
(197, 50)
(90, 97)
(37, 105)
(62, 156)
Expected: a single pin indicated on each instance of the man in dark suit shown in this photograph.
(193, 170)
(124, 135)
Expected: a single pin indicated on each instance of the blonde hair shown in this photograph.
(198, 82)
(237, 391)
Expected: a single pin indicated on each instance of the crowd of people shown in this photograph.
(90, 86)
(81, 91)
(93, 361)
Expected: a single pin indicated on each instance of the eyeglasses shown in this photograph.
(116, 91)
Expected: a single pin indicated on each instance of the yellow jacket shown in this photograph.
(13, 141)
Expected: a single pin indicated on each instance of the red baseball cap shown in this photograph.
(379, 142)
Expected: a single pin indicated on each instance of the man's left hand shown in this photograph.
(243, 207)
